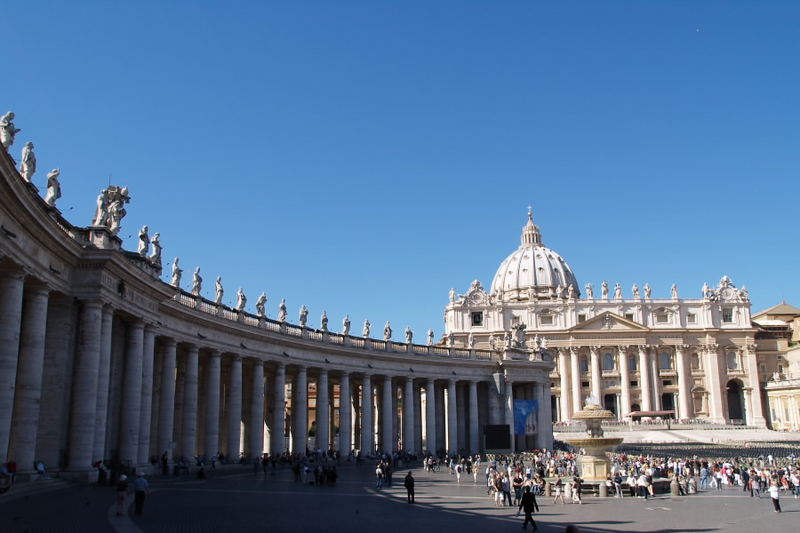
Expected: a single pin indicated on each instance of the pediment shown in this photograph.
(609, 321)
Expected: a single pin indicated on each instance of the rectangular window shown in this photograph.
(547, 320)
(662, 318)
(667, 382)
(581, 318)
(691, 318)
(634, 383)
(477, 319)
(585, 384)
(727, 314)
(629, 316)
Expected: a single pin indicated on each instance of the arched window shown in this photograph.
(608, 362)
(696, 361)
(732, 360)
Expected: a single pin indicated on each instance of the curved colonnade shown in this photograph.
(101, 359)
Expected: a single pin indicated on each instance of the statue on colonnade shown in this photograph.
(197, 282)
(7, 129)
(53, 187)
(177, 272)
(261, 304)
(27, 166)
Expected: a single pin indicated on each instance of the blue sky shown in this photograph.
(364, 157)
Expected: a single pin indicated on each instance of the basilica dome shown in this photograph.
(533, 271)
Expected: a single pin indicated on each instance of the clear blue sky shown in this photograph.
(364, 157)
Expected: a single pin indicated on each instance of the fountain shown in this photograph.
(594, 464)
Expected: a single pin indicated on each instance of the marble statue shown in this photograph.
(324, 321)
(387, 332)
(219, 291)
(571, 291)
(53, 187)
(144, 241)
(744, 294)
(647, 291)
(27, 166)
(366, 329)
(507, 339)
(543, 344)
(706, 290)
(452, 296)
(282, 311)
(177, 272)
(101, 213)
(492, 341)
(451, 339)
(155, 254)
(430, 337)
(346, 325)
(197, 282)
(303, 315)
(409, 335)
(261, 305)
(674, 291)
(604, 290)
(635, 291)
(470, 341)
(116, 212)
(519, 335)
(559, 291)
(241, 300)
(589, 291)
(7, 129)
(617, 291)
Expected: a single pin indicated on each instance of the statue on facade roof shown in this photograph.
(116, 208)
(451, 339)
(155, 254)
(346, 325)
(367, 326)
(744, 294)
(387, 332)
(604, 290)
(324, 321)
(519, 335)
(144, 241)
(707, 291)
(452, 296)
(219, 291)
(7, 129)
(241, 300)
(571, 291)
(197, 282)
(409, 335)
(101, 213)
(282, 311)
(589, 291)
(617, 291)
(261, 305)
(303, 315)
(53, 187)
(430, 337)
(635, 291)
(647, 291)
(559, 291)
(27, 166)
(177, 272)
(674, 291)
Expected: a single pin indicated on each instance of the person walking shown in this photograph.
(775, 495)
(528, 504)
(577, 489)
(122, 495)
(139, 493)
(409, 484)
(558, 487)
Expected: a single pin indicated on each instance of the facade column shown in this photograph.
(544, 437)
(189, 422)
(323, 417)
(387, 423)
(452, 417)
(11, 290)
(653, 356)
(146, 413)
(625, 383)
(563, 374)
(345, 420)
(684, 403)
(257, 411)
(25, 417)
(367, 428)
(103, 379)
(278, 439)
(594, 356)
(714, 384)
(213, 374)
(575, 375)
(166, 404)
(644, 379)
(408, 416)
(300, 411)
(430, 416)
(84, 387)
(474, 436)
(132, 395)
(508, 404)
(756, 414)
(233, 445)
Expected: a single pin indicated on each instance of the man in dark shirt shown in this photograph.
(528, 504)
(409, 484)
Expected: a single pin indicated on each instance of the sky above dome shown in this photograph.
(364, 157)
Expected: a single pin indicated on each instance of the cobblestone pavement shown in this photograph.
(236, 500)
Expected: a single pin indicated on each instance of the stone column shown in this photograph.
(474, 435)
(25, 418)
(166, 404)
(367, 427)
(644, 379)
(278, 439)
(213, 374)
(408, 416)
(84, 388)
(653, 355)
(544, 437)
(300, 411)
(509, 408)
(323, 417)
(575, 375)
(189, 423)
(103, 380)
(594, 355)
(714, 384)
(11, 289)
(756, 414)
(132, 394)
(387, 407)
(684, 382)
(145, 412)
(234, 409)
(452, 417)
(430, 415)
(345, 421)
(625, 383)
(257, 411)
(563, 374)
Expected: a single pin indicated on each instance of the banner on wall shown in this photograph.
(526, 417)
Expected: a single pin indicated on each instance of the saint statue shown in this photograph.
(197, 282)
(507, 339)
(451, 339)
(452, 296)
(617, 291)
(430, 337)
(559, 291)
(470, 341)
(101, 213)
(177, 272)
(346, 325)
(7, 130)
(589, 291)
(647, 291)
(28, 165)
(324, 321)
(744, 294)
(144, 241)
(674, 291)
(219, 291)
(241, 300)
(282, 311)
(387, 332)
(303, 315)
(571, 291)
(635, 291)
(261, 304)
(366, 329)
(706, 289)
(155, 254)
(409, 335)
(604, 290)
(53, 187)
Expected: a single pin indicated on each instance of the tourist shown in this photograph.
(139, 493)
(409, 485)
(775, 495)
(379, 476)
(122, 495)
(528, 504)
(577, 489)
(558, 488)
